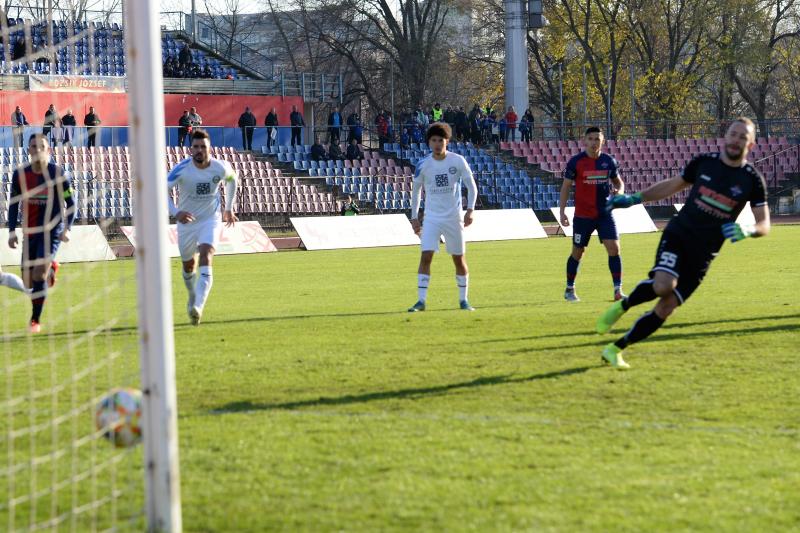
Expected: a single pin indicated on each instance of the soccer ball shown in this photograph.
(119, 417)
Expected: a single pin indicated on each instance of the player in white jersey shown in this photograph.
(198, 181)
(441, 174)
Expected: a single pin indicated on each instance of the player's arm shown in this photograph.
(13, 209)
(69, 201)
(472, 194)
(654, 193)
(566, 185)
(758, 204)
(619, 185)
(184, 217)
(231, 186)
(416, 198)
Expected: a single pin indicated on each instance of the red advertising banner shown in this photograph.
(73, 84)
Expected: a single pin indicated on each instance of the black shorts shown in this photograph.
(40, 248)
(686, 259)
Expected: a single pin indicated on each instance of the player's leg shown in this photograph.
(187, 245)
(12, 281)
(607, 230)
(39, 250)
(429, 244)
(582, 232)
(456, 247)
(207, 239)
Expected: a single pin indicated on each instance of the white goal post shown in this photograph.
(157, 348)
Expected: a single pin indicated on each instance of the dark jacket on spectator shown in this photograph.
(247, 119)
(185, 55)
(318, 152)
(271, 119)
(335, 151)
(354, 152)
(296, 119)
(68, 120)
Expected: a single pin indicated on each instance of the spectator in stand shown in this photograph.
(196, 119)
(354, 153)
(502, 129)
(526, 126)
(185, 57)
(511, 123)
(416, 133)
(382, 126)
(389, 127)
(167, 71)
(486, 129)
(247, 122)
(57, 133)
(297, 122)
(356, 128)
(335, 152)
(335, 123)
(475, 124)
(207, 73)
(495, 136)
(436, 112)
(462, 123)
(421, 119)
(68, 122)
(92, 121)
(19, 49)
(350, 207)
(318, 151)
(18, 123)
(50, 117)
(184, 127)
(450, 116)
(405, 139)
(271, 122)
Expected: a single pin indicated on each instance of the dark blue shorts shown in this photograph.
(582, 229)
(41, 248)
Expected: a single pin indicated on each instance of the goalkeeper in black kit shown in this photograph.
(722, 183)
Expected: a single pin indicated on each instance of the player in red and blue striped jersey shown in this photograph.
(596, 176)
(43, 190)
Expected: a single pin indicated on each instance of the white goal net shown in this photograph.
(73, 335)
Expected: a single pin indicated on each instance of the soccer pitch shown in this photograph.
(310, 400)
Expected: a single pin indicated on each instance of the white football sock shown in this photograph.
(423, 280)
(190, 279)
(203, 286)
(463, 286)
(12, 281)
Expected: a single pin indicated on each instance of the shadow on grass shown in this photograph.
(659, 337)
(400, 394)
(667, 326)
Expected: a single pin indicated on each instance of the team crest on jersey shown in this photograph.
(216, 179)
(452, 170)
(736, 190)
(604, 165)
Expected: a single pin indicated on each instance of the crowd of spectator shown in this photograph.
(481, 125)
(59, 129)
(334, 152)
(184, 66)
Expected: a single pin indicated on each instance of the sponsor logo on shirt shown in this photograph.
(704, 177)
(594, 176)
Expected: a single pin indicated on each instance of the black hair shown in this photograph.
(442, 129)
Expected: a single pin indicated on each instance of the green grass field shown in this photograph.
(309, 400)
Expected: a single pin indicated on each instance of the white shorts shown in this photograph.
(452, 230)
(191, 235)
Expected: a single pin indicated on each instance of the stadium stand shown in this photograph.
(645, 161)
(96, 49)
(500, 183)
(102, 183)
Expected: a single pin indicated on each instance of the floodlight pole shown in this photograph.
(154, 283)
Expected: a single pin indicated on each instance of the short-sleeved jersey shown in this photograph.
(199, 188)
(592, 182)
(718, 195)
(442, 182)
(46, 199)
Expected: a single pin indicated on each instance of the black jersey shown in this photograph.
(718, 195)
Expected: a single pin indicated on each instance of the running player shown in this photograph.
(44, 191)
(594, 173)
(441, 174)
(198, 180)
(721, 185)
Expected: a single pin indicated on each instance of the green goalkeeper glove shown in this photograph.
(737, 232)
(623, 200)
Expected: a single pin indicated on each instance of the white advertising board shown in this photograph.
(745, 217)
(241, 238)
(631, 220)
(362, 231)
(504, 224)
(86, 243)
